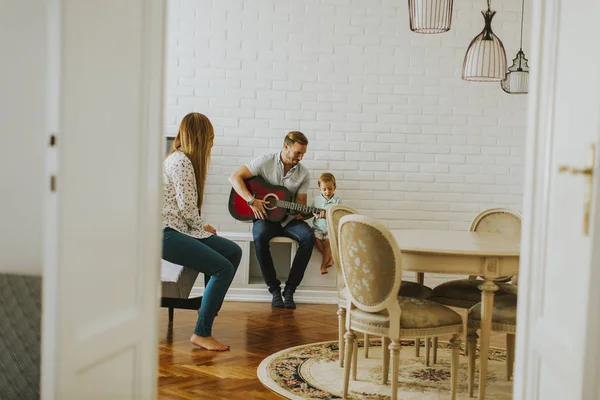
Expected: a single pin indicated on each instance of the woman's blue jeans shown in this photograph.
(215, 256)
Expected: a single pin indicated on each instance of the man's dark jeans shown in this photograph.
(263, 231)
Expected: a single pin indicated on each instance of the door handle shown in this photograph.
(588, 173)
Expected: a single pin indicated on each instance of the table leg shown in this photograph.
(420, 277)
(487, 306)
(472, 349)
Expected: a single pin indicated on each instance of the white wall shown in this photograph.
(22, 116)
(385, 109)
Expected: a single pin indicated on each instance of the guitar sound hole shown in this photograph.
(271, 201)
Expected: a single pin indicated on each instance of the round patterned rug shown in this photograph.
(312, 372)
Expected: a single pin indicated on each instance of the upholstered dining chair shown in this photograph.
(334, 214)
(371, 264)
(504, 319)
(408, 289)
(465, 293)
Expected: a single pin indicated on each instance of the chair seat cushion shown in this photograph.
(505, 311)
(407, 289)
(416, 314)
(415, 290)
(465, 293)
(177, 281)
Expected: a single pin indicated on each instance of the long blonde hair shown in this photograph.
(195, 138)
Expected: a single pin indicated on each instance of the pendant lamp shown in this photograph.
(517, 77)
(485, 60)
(430, 16)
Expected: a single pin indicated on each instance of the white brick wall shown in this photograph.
(385, 109)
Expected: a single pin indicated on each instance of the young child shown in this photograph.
(326, 199)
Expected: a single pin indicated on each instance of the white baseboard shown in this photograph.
(309, 296)
(263, 295)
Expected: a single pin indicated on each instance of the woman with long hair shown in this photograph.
(187, 239)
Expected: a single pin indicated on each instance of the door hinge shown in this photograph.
(53, 183)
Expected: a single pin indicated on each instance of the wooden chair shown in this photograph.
(465, 293)
(408, 289)
(372, 267)
(504, 319)
(177, 283)
(334, 214)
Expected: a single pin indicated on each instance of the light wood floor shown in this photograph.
(254, 331)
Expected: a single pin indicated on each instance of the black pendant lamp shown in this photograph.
(485, 60)
(517, 77)
(430, 16)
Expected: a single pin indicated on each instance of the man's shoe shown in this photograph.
(288, 298)
(277, 301)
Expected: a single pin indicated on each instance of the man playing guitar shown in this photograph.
(280, 168)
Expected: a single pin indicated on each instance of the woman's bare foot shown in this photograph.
(323, 269)
(208, 343)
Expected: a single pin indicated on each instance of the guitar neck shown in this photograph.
(298, 207)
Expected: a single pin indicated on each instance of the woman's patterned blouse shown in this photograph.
(180, 208)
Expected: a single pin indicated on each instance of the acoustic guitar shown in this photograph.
(278, 198)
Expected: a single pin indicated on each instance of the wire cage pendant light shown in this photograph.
(430, 16)
(485, 60)
(517, 77)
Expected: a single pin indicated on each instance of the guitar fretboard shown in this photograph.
(298, 207)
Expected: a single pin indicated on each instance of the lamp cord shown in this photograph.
(522, 17)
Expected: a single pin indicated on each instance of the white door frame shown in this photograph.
(539, 164)
(591, 384)
(50, 272)
(60, 364)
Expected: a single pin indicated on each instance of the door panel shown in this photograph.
(109, 192)
(557, 259)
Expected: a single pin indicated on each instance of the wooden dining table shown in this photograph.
(488, 255)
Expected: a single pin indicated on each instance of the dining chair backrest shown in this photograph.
(498, 220)
(371, 263)
(334, 214)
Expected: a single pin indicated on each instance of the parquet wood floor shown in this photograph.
(254, 331)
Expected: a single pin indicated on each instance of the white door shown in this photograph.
(558, 335)
(101, 270)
